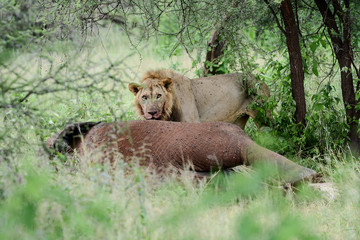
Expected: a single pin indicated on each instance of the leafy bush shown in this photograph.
(326, 129)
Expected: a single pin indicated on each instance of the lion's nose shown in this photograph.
(152, 113)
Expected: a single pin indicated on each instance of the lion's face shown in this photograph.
(153, 99)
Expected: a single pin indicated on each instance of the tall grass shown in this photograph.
(88, 201)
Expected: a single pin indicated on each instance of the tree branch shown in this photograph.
(330, 23)
(275, 17)
(338, 10)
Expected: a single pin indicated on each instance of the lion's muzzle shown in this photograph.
(153, 115)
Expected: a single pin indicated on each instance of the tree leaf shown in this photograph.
(323, 43)
(315, 68)
(318, 106)
(314, 46)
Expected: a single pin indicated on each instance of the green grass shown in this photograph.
(86, 201)
(52, 199)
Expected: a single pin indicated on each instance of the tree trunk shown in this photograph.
(296, 65)
(344, 56)
(215, 51)
(216, 45)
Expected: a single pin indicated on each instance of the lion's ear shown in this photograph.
(134, 88)
(167, 83)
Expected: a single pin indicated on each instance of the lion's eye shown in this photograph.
(158, 96)
(144, 97)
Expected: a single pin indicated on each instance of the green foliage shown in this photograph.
(326, 129)
(84, 201)
(18, 24)
(222, 65)
(168, 43)
(287, 226)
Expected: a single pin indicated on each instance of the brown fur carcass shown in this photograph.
(163, 144)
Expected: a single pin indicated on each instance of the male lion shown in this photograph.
(166, 95)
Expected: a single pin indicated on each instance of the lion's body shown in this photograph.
(216, 98)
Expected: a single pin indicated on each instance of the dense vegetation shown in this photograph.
(70, 61)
